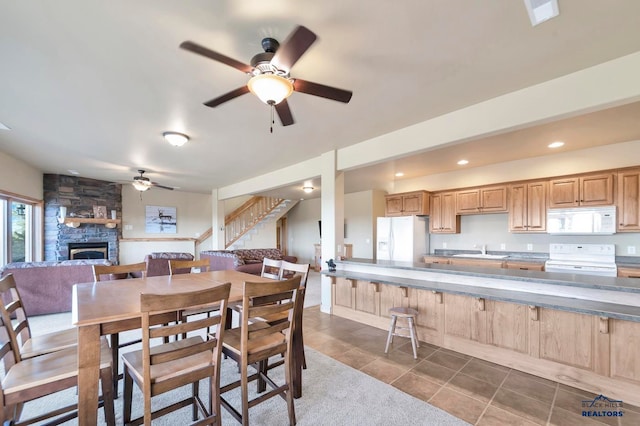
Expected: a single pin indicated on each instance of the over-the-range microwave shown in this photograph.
(582, 221)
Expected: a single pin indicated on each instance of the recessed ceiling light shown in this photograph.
(399, 174)
(73, 172)
(556, 144)
(463, 162)
(175, 138)
(541, 10)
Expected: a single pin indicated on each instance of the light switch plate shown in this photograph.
(529, 246)
(631, 249)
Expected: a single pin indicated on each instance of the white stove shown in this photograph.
(586, 259)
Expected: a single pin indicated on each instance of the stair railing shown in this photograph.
(248, 215)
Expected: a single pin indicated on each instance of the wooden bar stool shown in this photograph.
(410, 315)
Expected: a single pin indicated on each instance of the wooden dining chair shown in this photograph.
(254, 342)
(108, 273)
(24, 380)
(159, 368)
(181, 266)
(271, 268)
(28, 344)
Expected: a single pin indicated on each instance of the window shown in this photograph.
(18, 227)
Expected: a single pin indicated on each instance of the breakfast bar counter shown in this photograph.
(583, 331)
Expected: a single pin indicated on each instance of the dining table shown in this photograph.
(107, 307)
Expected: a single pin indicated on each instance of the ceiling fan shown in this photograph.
(269, 71)
(142, 183)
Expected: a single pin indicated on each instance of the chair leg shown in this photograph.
(107, 396)
(195, 393)
(392, 330)
(244, 392)
(127, 395)
(262, 369)
(414, 339)
(288, 375)
(115, 343)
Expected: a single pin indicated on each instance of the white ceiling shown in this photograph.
(91, 86)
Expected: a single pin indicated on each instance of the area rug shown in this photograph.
(332, 394)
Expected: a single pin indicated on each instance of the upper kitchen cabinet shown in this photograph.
(490, 199)
(528, 207)
(588, 190)
(407, 204)
(443, 218)
(629, 201)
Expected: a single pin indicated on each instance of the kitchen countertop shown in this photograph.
(603, 296)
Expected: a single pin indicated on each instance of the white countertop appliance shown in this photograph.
(586, 259)
(582, 221)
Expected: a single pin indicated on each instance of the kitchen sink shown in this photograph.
(482, 256)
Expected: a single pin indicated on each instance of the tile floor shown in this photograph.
(479, 392)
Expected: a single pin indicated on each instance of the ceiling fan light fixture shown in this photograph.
(270, 88)
(175, 138)
(140, 185)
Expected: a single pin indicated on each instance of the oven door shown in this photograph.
(603, 270)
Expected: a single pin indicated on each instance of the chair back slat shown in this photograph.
(262, 332)
(180, 353)
(173, 302)
(100, 271)
(271, 309)
(290, 269)
(184, 327)
(14, 308)
(181, 266)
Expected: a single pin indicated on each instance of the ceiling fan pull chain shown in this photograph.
(272, 120)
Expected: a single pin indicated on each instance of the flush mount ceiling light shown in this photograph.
(175, 138)
(270, 88)
(556, 144)
(541, 10)
(399, 174)
(307, 189)
(463, 162)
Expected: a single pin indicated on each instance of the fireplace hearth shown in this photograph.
(99, 250)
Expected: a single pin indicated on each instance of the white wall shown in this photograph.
(194, 218)
(20, 178)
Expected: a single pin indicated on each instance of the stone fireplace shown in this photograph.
(79, 195)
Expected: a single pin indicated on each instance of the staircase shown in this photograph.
(245, 219)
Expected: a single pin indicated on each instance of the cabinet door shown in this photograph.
(493, 199)
(449, 220)
(412, 204)
(537, 207)
(629, 201)
(393, 205)
(468, 201)
(629, 272)
(436, 259)
(596, 190)
(564, 192)
(483, 263)
(518, 208)
(524, 266)
(435, 219)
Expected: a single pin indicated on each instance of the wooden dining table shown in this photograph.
(107, 307)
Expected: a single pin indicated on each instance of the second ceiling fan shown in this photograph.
(270, 80)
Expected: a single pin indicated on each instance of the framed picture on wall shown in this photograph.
(160, 220)
(99, 212)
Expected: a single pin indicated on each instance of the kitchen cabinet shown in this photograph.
(528, 207)
(629, 201)
(443, 218)
(407, 204)
(436, 259)
(490, 199)
(524, 266)
(483, 263)
(588, 190)
(628, 272)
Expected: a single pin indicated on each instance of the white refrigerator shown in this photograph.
(402, 238)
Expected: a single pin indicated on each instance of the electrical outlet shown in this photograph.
(529, 246)
(128, 227)
(444, 245)
(503, 246)
(631, 249)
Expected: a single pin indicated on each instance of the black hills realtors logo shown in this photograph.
(601, 406)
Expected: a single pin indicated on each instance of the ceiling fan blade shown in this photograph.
(321, 90)
(227, 96)
(201, 50)
(293, 48)
(284, 112)
(157, 185)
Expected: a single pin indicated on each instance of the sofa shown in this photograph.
(243, 260)
(158, 262)
(46, 287)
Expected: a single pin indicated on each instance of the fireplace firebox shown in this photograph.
(98, 250)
